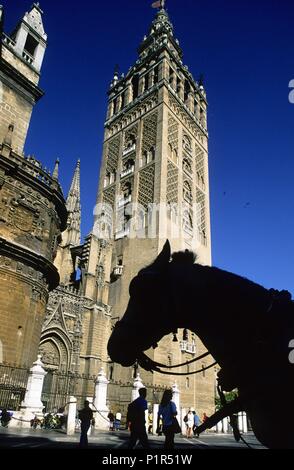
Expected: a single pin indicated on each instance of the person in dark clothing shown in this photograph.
(110, 416)
(136, 420)
(86, 417)
(5, 417)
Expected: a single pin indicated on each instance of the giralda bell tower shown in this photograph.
(155, 152)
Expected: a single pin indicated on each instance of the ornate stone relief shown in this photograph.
(185, 118)
(172, 183)
(146, 185)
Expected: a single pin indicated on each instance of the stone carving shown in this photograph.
(149, 132)
(172, 183)
(49, 355)
(109, 196)
(187, 192)
(131, 137)
(113, 154)
(4, 209)
(200, 172)
(146, 185)
(187, 143)
(191, 123)
(128, 117)
(173, 138)
(201, 216)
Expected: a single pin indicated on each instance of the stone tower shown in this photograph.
(155, 152)
(21, 59)
(32, 208)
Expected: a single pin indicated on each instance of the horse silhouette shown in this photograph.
(245, 327)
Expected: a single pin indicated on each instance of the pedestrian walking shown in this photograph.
(136, 420)
(167, 411)
(86, 417)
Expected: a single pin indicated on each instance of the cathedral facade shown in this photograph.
(153, 185)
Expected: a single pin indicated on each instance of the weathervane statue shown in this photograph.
(158, 4)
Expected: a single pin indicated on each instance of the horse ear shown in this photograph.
(164, 256)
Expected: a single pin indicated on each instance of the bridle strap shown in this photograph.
(165, 372)
(152, 363)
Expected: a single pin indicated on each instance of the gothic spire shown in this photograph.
(73, 206)
(55, 173)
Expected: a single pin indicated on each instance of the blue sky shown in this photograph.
(244, 50)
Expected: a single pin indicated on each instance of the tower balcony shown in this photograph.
(118, 271)
(8, 40)
(122, 233)
(122, 202)
(127, 172)
(28, 57)
(186, 346)
(130, 149)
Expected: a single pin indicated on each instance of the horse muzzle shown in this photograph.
(121, 348)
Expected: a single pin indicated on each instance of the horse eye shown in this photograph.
(141, 285)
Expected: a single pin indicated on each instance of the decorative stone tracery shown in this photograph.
(146, 185)
(201, 216)
(173, 138)
(172, 183)
(149, 132)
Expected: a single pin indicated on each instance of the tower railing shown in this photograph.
(129, 150)
(127, 172)
(186, 346)
(8, 40)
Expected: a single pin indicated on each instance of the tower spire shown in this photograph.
(73, 205)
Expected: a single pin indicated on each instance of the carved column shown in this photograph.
(129, 92)
(102, 410)
(71, 416)
(110, 109)
(32, 405)
(151, 77)
(191, 101)
(119, 103)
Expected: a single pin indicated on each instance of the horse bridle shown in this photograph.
(153, 366)
(148, 364)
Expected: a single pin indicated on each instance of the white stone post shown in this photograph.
(225, 425)
(176, 400)
(182, 423)
(155, 415)
(136, 387)
(176, 397)
(245, 427)
(100, 407)
(71, 416)
(32, 405)
(219, 427)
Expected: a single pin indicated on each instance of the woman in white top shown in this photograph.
(190, 424)
(167, 410)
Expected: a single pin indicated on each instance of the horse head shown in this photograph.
(245, 327)
(145, 321)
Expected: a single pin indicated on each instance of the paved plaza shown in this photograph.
(53, 439)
